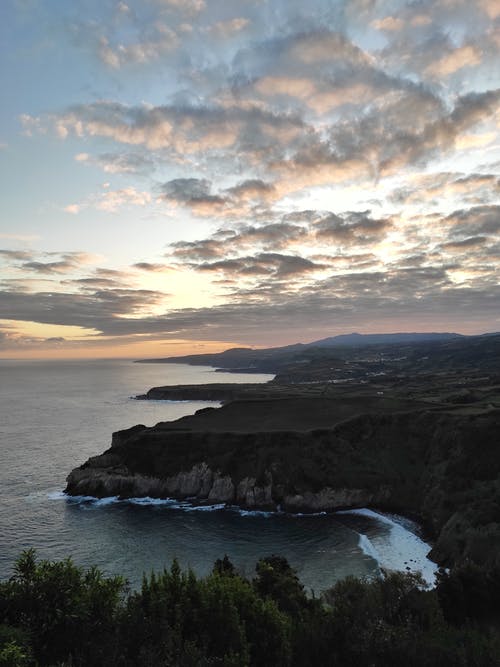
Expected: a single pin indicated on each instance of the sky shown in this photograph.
(183, 176)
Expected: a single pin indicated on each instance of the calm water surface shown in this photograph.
(54, 415)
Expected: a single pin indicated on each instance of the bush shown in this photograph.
(55, 613)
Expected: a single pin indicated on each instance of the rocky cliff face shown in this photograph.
(104, 476)
(443, 467)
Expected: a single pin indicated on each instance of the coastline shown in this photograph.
(403, 549)
(313, 454)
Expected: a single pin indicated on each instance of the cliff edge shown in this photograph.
(442, 466)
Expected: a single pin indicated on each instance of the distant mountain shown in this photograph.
(359, 340)
(273, 359)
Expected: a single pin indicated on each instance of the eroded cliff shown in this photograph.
(440, 466)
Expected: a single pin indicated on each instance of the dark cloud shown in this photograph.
(475, 220)
(203, 250)
(93, 283)
(148, 266)
(17, 255)
(188, 190)
(416, 294)
(62, 266)
(274, 264)
(272, 236)
(470, 242)
(93, 310)
(352, 228)
(194, 193)
(43, 263)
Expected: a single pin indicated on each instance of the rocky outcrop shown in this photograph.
(101, 478)
(329, 499)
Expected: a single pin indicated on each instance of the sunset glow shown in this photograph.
(187, 176)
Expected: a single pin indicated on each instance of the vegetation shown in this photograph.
(57, 614)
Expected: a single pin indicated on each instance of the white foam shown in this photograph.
(61, 495)
(109, 500)
(243, 512)
(367, 547)
(56, 495)
(147, 500)
(403, 550)
(204, 508)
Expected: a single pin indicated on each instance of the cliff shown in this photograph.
(321, 455)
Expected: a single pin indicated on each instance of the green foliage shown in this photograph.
(54, 613)
(278, 581)
(14, 647)
(67, 612)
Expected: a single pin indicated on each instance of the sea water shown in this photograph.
(54, 415)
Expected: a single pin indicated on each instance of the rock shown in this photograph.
(251, 495)
(222, 490)
(195, 482)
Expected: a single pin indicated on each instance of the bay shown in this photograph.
(54, 415)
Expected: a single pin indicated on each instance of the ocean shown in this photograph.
(55, 414)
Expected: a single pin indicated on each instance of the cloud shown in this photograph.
(476, 220)
(358, 228)
(95, 310)
(432, 189)
(187, 190)
(267, 264)
(74, 209)
(250, 189)
(44, 263)
(150, 267)
(120, 163)
(229, 28)
(329, 153)
(470, 242)
(185, 6)
(111, 201)
(343, 302)
(261, 120)
(273, 236)
(193, 192)
(162, 40)
(491, 8)
(62, 266)
(20, 255)
(389, 23)
(464, 56)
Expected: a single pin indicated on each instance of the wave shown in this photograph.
(186, 505)
(367, 547)
(400, 548)
(243, 512)
(151, 501)
(404, 549)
